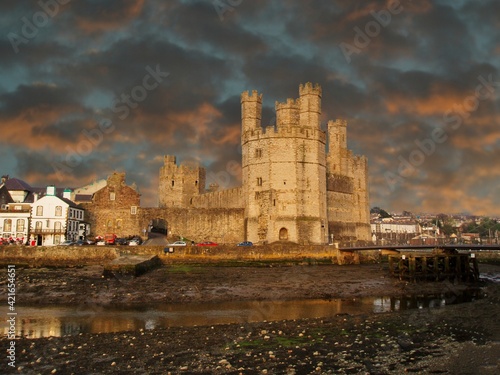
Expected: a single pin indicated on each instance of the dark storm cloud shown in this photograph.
(394, 91)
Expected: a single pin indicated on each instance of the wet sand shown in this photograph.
(457, 339)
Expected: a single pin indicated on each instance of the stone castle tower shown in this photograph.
(292, 189)
(284, 169)
(179, 184)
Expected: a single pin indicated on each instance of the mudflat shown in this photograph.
(456, 339)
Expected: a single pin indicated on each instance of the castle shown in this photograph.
(292, 189)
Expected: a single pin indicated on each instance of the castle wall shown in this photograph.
(230, 198)
(216, 224)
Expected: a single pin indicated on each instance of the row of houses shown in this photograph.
(39, 216)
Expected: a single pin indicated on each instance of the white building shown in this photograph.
(394, 232)
(55, 219)
(14, 210)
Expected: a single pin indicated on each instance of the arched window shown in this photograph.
(38, 225)
(119, 224)
(7, 225)
(39, 210)
(109, 224)
(58, 211)
(57, 226)
(20, 225)
(283, 234)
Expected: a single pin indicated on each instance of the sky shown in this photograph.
(91, 87)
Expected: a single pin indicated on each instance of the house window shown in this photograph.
(259, 181)
(133, 210)
(119, 224)
(39, 210)
(57, 239)
(258, 152)
(38, 225)
(20, 225)
(109, 224)
(112, 196)
(57, 226)
(58, 211)
(7, 225)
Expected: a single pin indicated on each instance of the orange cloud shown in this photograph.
(111, 21)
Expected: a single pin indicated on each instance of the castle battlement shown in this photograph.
(289, 104)
(254, 96)
(308, 88)
(337, 123)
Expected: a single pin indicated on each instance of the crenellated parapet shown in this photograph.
(310, 89)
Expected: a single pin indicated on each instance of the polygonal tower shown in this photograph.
(284, 170)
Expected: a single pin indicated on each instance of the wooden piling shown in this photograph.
(438, 267)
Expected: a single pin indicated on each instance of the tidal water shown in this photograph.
(44, 321)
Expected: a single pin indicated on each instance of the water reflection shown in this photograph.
(36, 322)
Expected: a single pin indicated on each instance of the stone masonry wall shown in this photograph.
(112, 208)
(218, 225)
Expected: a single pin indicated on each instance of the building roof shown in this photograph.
(83, 198)
(17, 184)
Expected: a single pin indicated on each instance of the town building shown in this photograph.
(15, 210)
(56, 219)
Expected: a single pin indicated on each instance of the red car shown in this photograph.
(206, 243)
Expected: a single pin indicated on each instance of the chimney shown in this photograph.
(67, 193)
(51, 190)
(35, 197)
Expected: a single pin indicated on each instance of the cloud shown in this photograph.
(424, 63)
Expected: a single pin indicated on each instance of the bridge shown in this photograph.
(399, 248)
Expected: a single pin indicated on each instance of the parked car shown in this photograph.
(136, 239)
(245, 243)
(100, 243)
(121, 241)
(81, 243)
(110, 238)
(68, 243)
(207, 243)
(177, 243)
(133, 243)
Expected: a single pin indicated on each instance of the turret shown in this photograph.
(310, 105)
(287, 113)
(251, 110)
